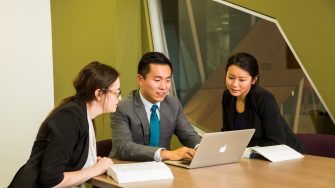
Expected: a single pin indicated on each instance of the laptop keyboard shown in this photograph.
(186, 162)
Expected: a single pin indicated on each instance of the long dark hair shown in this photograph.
(246, 62)
(93, 76)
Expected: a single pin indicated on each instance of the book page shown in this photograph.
(278, 153)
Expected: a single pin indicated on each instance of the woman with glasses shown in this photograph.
(64, 152)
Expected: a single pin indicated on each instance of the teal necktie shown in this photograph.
(154, 127)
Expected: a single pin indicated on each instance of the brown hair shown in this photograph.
(93, 76)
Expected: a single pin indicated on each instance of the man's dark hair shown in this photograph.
(148, 58)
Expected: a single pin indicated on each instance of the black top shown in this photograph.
(240, 121)
(61, 146)
(262, 113)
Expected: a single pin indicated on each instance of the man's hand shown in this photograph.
(178, 154)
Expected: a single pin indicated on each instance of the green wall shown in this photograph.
(110, 31)
(310, 28)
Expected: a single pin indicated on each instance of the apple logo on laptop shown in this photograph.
(223, 148)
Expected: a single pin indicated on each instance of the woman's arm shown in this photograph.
(271, 120)
(66, 150)
(78, 177)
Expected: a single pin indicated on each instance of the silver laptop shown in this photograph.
(218, 148)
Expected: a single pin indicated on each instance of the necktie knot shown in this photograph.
(154, 108)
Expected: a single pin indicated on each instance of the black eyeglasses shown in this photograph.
(116, 93)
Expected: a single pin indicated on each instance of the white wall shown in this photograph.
(26, 78)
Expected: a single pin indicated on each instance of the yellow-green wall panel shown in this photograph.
(110, 31)
(310, 27)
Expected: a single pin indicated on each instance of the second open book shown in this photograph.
(274, 153)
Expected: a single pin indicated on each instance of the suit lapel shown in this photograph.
(164, 115)
(231, 113)
(142, 116)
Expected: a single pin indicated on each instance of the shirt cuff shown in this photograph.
(157, 156)
(196, 146)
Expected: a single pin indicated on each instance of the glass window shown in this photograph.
(201, 34)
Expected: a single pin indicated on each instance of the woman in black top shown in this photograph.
(246, 105)
(64, 152)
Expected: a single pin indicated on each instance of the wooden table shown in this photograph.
(311, 171)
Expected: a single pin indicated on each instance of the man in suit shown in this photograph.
(135, 122)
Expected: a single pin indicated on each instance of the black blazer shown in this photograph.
(61, 146)
(262, 114)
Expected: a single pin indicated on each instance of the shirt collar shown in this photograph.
(148, 104)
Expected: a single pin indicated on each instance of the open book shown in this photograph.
(142, 171)
(274, 153)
